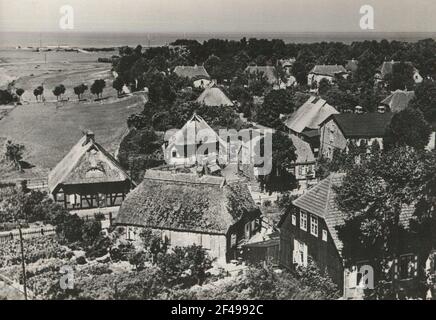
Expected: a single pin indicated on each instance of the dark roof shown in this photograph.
(191, 72)
(398, 100)
(367, 125)
(328, 70)
(320, 201)
(186, 202)
(87, 162)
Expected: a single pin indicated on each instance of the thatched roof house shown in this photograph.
(214, 97)
(191, 72)
(189, 208)
(87, 176)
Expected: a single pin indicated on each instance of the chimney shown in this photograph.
(358, 109)
(90, 137)
(381, 109)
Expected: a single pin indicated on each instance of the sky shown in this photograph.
(218, 15)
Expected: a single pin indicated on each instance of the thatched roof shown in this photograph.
(214, 97)
(328, 70)
(87, 162)
(399, 100)
(310, 115)
(186, 202)
(192, 72)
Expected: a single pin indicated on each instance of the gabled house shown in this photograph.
(311, 230)
(190, 209)
(88, 177)
(387, 67)
(214, 97)
(338, 130)
(329, 72)
(305, 121)
(196, 143)
(398, 100)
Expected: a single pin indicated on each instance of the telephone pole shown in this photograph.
(23, 263)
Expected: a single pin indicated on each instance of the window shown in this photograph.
(300, 253)
(294, 220)
(233, 240)
(407, 267)
(314, 226)
(303, 221)
(174, 153)
(247, 230)
(324, 235)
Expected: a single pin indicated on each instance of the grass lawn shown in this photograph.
(48, 132)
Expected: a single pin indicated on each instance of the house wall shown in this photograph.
(92, 195)
(331, 138)
(323, 253)
(215, 245)
(242, 231)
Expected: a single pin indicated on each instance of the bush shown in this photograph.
(185, 266)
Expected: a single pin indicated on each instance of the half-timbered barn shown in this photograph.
(88, 177)
(189, 209)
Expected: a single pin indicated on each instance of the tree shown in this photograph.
(184, 266)
(97, 87)
(14, 153)
(19, 93)
(281, 162)
(324, 86)
(58, 91)
(118, 85)
(425, 99)
(276, 103)
(407, 128)
(401, 77)
(80, 90)
(373, 195)
(38, 92)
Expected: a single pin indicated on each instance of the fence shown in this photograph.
(27, 233)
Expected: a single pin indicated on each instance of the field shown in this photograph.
(49, 129)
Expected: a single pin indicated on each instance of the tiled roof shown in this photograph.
(310, 115)
(399, 100)
(191, 72)
(328, 70)
(367, 125)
